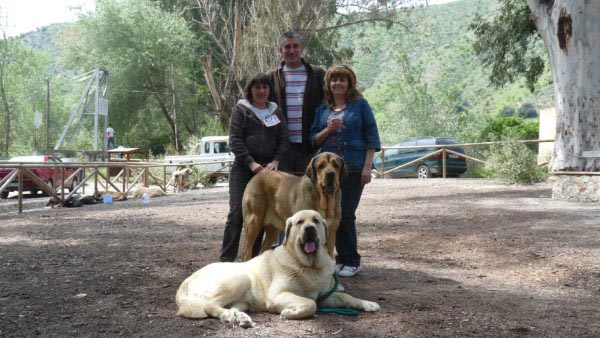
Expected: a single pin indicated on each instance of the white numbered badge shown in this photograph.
(271, 120)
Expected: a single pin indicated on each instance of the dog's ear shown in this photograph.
(326, 231)
(343, 170)
(288, 227)
(311, 170)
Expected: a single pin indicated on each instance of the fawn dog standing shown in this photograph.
(271, 197)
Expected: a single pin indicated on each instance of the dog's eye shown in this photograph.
(316, 220)
(300, 222)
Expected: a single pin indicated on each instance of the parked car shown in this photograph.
(432, 166)
(46, 174)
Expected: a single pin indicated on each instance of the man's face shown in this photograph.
(291, 51)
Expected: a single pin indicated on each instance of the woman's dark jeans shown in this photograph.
(345, 240)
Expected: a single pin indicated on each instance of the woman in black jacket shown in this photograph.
(258, 138)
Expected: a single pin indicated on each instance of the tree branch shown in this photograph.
(325, 29)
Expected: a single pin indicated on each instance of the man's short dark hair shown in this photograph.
(290, 35)
(259, 78)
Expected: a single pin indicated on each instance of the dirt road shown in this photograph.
(455, 257)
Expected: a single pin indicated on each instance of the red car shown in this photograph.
(49, 174)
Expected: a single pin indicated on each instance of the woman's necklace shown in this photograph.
(339, 109)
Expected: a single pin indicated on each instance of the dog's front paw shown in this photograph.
(237, 317)
(370, 306)
(286, 313)
(297, 312)
(245, 321)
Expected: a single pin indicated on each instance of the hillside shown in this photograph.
(433, 49)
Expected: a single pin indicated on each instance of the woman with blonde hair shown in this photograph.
(345, 124)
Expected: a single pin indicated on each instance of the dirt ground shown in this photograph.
(443, 258)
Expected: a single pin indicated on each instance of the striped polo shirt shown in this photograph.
(295, 83)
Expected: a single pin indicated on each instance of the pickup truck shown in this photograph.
(211, 155)
(48, 174)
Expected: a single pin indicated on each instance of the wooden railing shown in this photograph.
(128, 175)
(443, 149)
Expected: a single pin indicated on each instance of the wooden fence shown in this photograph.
(443, 150)
(115, 176)
(124, 176)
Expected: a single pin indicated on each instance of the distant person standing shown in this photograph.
(297, 87)
(110, 136)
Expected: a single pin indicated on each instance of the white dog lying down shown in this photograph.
(286, 280)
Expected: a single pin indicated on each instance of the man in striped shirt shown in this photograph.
(297, 87)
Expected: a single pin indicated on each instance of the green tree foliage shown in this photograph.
(419, 81)
(528, 111)
(424, 78)
(514, 125)
(148, 53)
(244, 37)
(407, 106)
(508, 43)
(514, 162)
(508, 111)
(22, 93)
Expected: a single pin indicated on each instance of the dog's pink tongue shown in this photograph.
(309, 247)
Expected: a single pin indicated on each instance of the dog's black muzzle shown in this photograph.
(309, 234)
(330, 182)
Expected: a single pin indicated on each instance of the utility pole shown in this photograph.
(47, 115)
(174, 109)
(96, 108)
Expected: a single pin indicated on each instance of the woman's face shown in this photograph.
(260, 94)
(338, 85)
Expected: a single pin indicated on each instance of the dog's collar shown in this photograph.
(330, 292)
(345, 312)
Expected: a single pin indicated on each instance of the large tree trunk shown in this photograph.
(571, 31)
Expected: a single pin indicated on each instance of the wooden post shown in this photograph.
(165, 177)
(444, 154)
(62, 183)
(20, 196)
(95, 179)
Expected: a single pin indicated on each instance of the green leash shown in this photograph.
(339, 311)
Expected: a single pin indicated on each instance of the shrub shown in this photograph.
(513, 162)
(515, 125)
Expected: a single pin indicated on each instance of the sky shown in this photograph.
(22, 16)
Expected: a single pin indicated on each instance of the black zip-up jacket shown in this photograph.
(313, 96)
(250, 140)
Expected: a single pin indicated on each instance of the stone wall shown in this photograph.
(583, 188)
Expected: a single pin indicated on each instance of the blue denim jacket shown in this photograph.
(359, 133)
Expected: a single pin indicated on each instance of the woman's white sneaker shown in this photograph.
(349, 271)
(338, 268)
